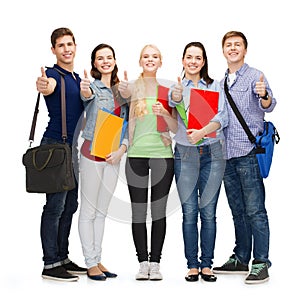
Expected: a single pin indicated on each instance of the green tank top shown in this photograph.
(146, 140)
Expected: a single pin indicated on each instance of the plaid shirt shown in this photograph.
(248, 102)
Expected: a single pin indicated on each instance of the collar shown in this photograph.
(240, 71)
(64, 70)
(99, 84)
(188, 82)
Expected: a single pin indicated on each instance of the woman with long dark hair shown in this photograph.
(198, 167)
(98, 175)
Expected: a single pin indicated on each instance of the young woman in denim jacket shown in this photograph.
(199, 168)
(98, 176)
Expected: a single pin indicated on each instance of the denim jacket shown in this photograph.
(102, 97)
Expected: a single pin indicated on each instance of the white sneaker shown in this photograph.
(154, 271)
(143, 273)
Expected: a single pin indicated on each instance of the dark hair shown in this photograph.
(230, 34)
(59, 32)
(204, 69)
(97, 75)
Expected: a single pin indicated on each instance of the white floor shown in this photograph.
(21, 254)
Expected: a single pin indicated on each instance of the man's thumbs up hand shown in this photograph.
(261, 86)
(44, 84)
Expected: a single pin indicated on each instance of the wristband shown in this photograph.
(266, 96)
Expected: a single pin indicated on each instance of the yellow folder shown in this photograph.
(107, 134)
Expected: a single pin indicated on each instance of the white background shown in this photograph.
(272, 32)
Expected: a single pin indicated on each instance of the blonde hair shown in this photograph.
(139, 91)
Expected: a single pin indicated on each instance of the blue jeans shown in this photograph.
(246, 197)
(56, 223)
(198, 174)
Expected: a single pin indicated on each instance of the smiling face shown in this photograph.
(104, 61)
(234, 50)
(150, 60)
(193, 62)
(64, 50)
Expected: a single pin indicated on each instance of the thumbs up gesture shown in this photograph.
(260, 87)
(85, 83)
(177, 90)
(44, 84)
(124, 87)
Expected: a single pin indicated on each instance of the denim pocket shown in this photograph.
(217, 151)
(186, 153)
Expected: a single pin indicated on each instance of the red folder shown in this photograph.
(203, 107)
(162, 97)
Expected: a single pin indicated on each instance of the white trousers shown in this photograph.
(98, 181)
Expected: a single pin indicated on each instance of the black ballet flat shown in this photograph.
(208, 278)
(192, 277)
(100, 277)
(109, 274)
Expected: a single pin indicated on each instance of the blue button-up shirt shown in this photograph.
(248, 102)
(221, 117)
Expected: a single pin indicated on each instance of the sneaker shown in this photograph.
(58, 273)
(232, 266)
(154, 271)
(259, 273)
(72, 268)
(143, 273)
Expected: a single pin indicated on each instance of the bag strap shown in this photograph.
(63, 105)
(63, 111)
(251, 137)
(33, 124)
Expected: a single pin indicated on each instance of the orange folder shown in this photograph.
(162, 97)
(108, 131)
(203, 107)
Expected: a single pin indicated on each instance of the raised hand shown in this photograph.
(85, 83)
(124, 87)
(261, 86)
(177, 91)
(43, 83)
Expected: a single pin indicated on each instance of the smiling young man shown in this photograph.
(59, 208)
(243, 183)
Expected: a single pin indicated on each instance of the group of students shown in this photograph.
(199, 168)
